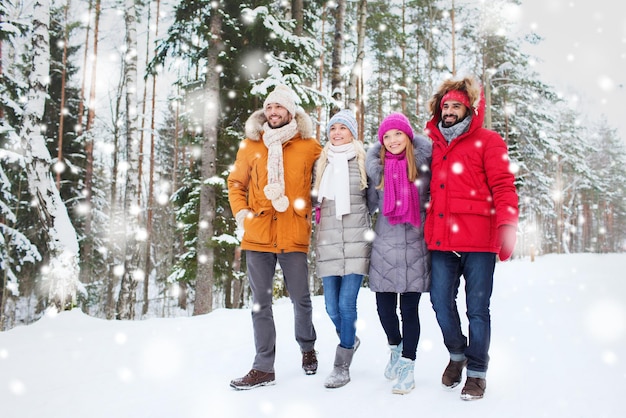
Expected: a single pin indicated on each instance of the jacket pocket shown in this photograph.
(471, 222)
(302, 226)
(257, 228)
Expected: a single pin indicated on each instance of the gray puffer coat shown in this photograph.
(341, 245)
(400, 261)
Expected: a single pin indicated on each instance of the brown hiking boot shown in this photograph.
(253, 379)
(452, 374)
(309, 362)
(474, 389)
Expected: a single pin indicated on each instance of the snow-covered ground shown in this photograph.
(558, 350)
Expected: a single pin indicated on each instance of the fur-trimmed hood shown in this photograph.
(469, 85)
(254, 125)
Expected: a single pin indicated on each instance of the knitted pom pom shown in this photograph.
(273, 191)
(281, 204)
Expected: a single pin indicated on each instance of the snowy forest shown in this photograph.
(120, 119)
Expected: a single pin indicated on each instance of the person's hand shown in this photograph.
(508, 236)
(239, 217)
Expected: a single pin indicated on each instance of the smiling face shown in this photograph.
(452, 112)
(277, 115)
(395, 141)
(339, 134)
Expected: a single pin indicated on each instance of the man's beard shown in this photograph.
(449, 124)
(279, 126)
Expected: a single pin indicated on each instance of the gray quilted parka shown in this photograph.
(400, 261)
(341, 246)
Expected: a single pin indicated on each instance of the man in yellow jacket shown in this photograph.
(269, 192)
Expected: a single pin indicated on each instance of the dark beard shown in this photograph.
(447, 125)
(279, 126)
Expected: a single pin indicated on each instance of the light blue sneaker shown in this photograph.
(405, 382)
(391, 371)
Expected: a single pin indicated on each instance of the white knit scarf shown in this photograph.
(335, 183)
(274, 140)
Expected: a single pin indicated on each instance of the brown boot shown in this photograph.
(474, 389)
(452, 374)
(309, 362)
(253, 379)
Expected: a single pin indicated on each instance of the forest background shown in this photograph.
(119, 121)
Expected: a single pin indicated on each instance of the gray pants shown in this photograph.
(261, 270)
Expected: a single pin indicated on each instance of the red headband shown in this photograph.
(456, 95)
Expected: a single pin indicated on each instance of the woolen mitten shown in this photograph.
(508, 237)
(240, 216)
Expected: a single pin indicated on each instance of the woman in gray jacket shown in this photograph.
(343, 234)
(398, 167)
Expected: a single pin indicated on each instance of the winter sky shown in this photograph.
(583, 53)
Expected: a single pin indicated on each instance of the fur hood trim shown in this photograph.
(254, 124)
(469, 85)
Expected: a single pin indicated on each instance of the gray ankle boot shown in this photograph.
(340, 375)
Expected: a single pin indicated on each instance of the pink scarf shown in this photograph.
(401, 198)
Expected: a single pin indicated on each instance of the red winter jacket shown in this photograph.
(472, 189)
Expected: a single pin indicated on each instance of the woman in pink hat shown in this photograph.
(398, 167)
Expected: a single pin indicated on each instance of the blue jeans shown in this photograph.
(340, 293)
(477, 268)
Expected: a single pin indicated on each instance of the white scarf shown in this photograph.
(274, 140)
(335, 183)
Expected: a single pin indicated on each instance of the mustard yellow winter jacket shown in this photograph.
(268, 230)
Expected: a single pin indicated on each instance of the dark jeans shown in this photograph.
(340, 294)
(261, 271)
(387, 306)
(477, 268)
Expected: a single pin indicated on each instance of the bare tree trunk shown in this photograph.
(361, 115)
(91, 115)
(150, 202)
(297, 10)
(320, 80)
(132, 272)
(62, 105)
(237, 288)
(182, 294)
(1, 73)
(335, 75)
(403, 95)
(205, 253)
(81, 104)
(453, 43)
(357, 69)
(115, 224)
(60, 276)
(487, 92)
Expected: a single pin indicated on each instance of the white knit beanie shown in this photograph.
(284, 96)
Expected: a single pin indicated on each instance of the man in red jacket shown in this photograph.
(472, 217)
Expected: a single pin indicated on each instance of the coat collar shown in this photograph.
(254, 125)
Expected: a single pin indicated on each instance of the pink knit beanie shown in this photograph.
(395, 121)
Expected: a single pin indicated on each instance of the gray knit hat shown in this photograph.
(345, 117)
